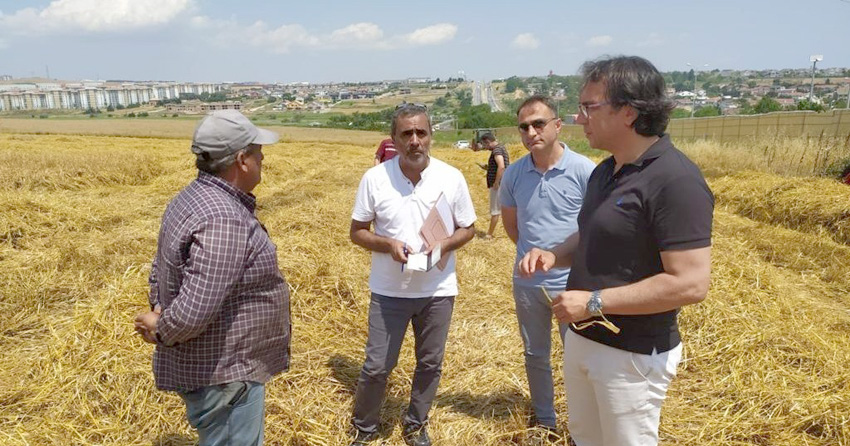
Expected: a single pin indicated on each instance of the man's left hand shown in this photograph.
(428, 249)
(571, 306)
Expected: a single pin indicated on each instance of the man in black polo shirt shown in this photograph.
(642, 251)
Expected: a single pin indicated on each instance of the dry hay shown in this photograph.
(817, 205)
(766, 353)
(170, 128)
(798, 156)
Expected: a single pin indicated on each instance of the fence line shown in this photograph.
(833, 123)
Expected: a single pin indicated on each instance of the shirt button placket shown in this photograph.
(544, 187)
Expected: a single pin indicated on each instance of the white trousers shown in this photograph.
(614, 396)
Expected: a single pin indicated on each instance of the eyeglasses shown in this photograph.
(604, 322)
(584, 109)
(411, 105)
(538, 124)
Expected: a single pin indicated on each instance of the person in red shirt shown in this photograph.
(386, 151)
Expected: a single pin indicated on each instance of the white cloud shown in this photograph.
(358, 33)
(525, 41)
(93, 16)
(285, 38)
(277, 40)
(597, 41)
(653, 39)
(431, 35)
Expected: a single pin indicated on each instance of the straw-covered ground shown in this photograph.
(766, 355)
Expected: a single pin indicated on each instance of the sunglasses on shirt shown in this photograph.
(582, 325)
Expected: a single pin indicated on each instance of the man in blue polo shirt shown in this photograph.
(540, 196)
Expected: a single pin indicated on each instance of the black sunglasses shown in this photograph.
(538, 124)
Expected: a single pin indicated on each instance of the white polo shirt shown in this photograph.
(398, 210)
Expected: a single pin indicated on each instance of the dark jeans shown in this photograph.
(388, 319)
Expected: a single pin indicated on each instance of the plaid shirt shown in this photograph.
(493, 167)
(225, 303)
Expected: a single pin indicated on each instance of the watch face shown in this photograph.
(594, 305)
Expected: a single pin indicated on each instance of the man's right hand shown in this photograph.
(534, 260)
(145, 325)
(398, 250)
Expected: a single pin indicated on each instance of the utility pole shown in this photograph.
(694, 100)
(814, 59)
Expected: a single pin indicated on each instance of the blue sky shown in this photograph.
(320, 40)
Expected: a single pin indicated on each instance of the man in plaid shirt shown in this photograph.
(220, 305)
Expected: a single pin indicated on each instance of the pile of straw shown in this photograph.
(799, 156)
(766, 354)
(816, 205)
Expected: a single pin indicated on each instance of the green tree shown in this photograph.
(710, 110)
(512, 84)
(711, 89)
(481, 116)
(212, 97)
(378, 121)
(680, 113)
(682, 86)
(767, 105)
(805, 104)
(744, 107)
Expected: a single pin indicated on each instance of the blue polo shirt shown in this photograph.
(547, 207)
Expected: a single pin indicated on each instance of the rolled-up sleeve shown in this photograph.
(462, 207)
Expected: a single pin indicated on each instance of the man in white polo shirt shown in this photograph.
(397, 196)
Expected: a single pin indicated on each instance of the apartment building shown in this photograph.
(97, 95)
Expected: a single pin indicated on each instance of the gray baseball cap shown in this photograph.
(225, 132)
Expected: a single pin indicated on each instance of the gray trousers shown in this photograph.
(388, 319)
(534, 314)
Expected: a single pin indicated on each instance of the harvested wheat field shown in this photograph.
(767, 355)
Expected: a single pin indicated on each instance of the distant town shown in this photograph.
(701, 93)
(46, 94)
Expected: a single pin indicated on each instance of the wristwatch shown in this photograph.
(594, 304)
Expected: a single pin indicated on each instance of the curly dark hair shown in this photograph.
(633, 81)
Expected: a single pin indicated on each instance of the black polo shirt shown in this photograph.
(658, 203)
